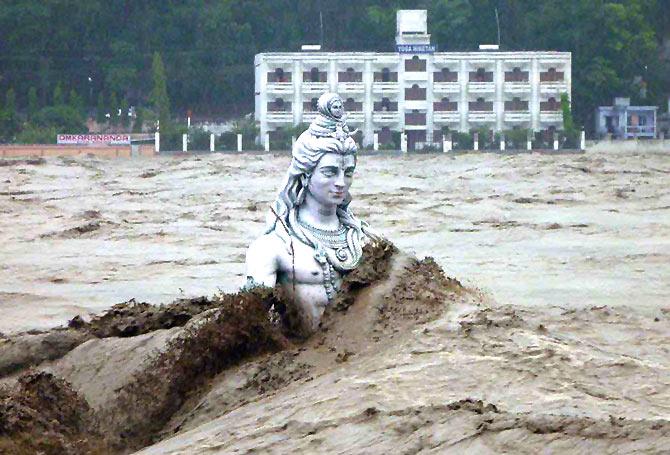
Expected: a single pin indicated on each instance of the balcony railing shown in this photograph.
(315, 87)
(355, 117)
(280, 117)
(552, 76)
(384, 117)
(280, 87)
(446, 117)
(385, 87)
(481, 87)
(517, 87)
(550, 106)
(551, 117)
(517, 117)
(446, 87)
(350, 87)
(481, 117)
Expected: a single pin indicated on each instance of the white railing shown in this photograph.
(446, 117)
(481, 117)
(551, 116)
(280, 87)
(282, 117)
(446, 87)
(517, 87)
(481, 87)
(350, 87)
(517, 116)
(385, 117)
(553, 87)
(315, 87)
(385, 87)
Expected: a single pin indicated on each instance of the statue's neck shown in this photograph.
(318, 215)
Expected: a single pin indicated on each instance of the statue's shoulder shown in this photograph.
(269, 242)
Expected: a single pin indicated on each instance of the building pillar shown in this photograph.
(401, 93)
(263, 114)
(368, 128)
(534, 78)
(499, 104)
(184, 142)
(239, 142)
(211, 142)
(332, 75)
(463, 101)
(157, 142)
(430, 123)
(296, 78)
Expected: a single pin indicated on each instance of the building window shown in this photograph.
(315, 104)
(279, 75)
(386, 104)
(314, 75)
(386, 75)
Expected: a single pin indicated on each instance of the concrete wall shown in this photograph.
(47, 150)
(631, 145)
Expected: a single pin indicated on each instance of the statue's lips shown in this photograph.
(337, 193)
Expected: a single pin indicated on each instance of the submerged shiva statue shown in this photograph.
(312, 238)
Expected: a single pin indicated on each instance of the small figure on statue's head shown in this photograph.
(312, 238)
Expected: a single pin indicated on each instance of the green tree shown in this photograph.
(58, 98)
(9, 120)
(159, 96)
(125, 120)
(33, 104)
(139, 120)
(76, 102)
(114, 109)
(101, 110)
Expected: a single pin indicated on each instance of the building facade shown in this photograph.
(415, 90)
(623, 121)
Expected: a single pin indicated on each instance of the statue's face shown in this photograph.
(332, 178)
(336, 108)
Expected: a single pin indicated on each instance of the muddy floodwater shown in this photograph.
(79, 235)
(523, 309)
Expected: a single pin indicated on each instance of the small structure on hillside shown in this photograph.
(624, 121)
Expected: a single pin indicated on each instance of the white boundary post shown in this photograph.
(529, 143)
(267, 142)
(403, 142)
(184, 142)
(502, 142)
(157, 142)
(555, 141)
(239, 142)
(582, 142)
(446, 143)
(211, 142)
(375, 142)
(475, 143)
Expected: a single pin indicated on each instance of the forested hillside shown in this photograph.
(99, 53)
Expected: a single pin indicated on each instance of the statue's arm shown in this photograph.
(263, 261)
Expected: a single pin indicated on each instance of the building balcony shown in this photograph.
(446, 117)
(554, 88)
(446, 87)
(384, 117)
(416, 76)
(355, 117)
(551, 116)
(481, 117)
(315, 87)
(517, 117)
(277, 88)
(350, 87)
(481, 87)
(385, 88)
(279, 117)
(517, 87)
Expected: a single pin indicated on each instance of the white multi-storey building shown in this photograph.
(415, 90)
